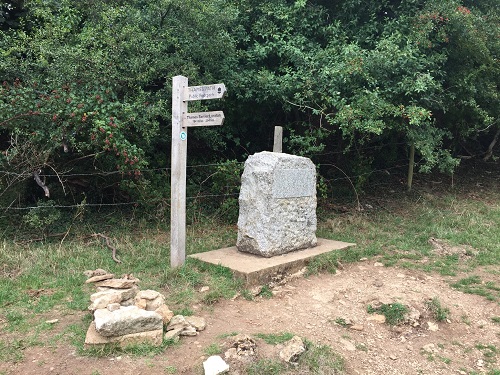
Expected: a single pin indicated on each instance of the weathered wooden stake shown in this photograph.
(178, 174)
(410, 167)
(278, 139)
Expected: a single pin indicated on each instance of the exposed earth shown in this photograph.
(326, 309)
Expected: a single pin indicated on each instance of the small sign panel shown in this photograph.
(206, 92)
(203, 118)
(294, 183)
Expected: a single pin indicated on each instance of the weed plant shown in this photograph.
(439, 312)
(320, 359)
(212, 349)
(394, 312)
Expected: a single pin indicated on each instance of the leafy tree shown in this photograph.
(86, 85)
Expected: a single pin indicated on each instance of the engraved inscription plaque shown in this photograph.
(294, 183)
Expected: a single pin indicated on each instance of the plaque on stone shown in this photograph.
(277, 204)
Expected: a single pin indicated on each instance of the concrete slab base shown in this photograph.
(257, 270)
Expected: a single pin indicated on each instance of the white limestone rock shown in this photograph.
(292, 350)
(94, 338)
(108, 296)
(126, 320)
(149, 299)
(215, 365)
(197, 322)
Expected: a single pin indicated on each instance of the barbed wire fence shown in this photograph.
(200, 196)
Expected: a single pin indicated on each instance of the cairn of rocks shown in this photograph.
(125, 315)
(244, 349)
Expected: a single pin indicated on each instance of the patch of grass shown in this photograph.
(267, 367)
(495, 319)
(247, 294)
(138, 350)
(465, 319)
(212, 349)
(225, 335)
(323, 263)
(394, 312)
(16, 320)
(275, 338)
(170, 369)
(182, 282)
(266, 292)
(186, 311)
(447, 265)
(439, 312)
(362, 347)
(406, 224)
(444, 360)
(320, 359)
(12, 351)
(341, 322)
(489, 352)
(474, 285)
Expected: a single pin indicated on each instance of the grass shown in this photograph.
(439, 312)
(399, 234)
(266, 366)
(323, 263)
(46, 278)
(317, 359)
(275, 338)
(320, 359)
(341, 322)
(394, 312)
(490, 352)
(266, 292)
(213, 349)
(474, 285)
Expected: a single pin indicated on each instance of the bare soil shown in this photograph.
(310, 307)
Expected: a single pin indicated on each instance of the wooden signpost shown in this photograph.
(181, 120)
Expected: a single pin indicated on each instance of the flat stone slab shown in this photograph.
(258, 270)
(94, 338)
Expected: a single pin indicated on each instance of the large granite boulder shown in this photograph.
(277, 204)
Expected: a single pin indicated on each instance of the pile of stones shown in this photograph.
(125, 315)
(244, 349)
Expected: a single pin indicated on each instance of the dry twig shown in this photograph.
(109, 245)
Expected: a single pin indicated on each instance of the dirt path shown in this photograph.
(469, 342)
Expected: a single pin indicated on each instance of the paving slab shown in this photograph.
(257, 270)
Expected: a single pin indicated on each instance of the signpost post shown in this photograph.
(181, 120)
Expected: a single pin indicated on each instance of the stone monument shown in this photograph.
(277, 204)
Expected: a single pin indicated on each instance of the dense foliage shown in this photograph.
(85, 98)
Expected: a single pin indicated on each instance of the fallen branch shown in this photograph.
(109, 245)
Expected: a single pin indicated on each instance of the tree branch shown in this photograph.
(36, 175)
(489, 152)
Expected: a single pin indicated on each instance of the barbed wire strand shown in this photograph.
(203, 196)
(110, 173)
